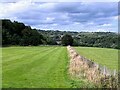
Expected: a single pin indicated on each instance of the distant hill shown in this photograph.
(90, 39)
(16, 33)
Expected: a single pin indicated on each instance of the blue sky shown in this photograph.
(71, 16)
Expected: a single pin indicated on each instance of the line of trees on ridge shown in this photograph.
(17, 33)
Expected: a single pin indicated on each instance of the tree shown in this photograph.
(16, 33)
(6, 37)
(67, 40)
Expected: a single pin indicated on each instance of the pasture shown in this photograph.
(102, 56)
(37, 67)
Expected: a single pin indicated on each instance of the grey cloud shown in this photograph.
(68, 13)
(84, 12)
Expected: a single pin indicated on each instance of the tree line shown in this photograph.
(17, 33)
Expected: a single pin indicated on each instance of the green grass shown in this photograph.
(37, 67)
(103, 56)
(0, 67)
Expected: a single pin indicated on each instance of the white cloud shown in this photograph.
(90, 23)
(75, 0)
(76, 23)
(100, 30)
(46, 6)
(7, 9)
(106, 25)
(64, 17)
(54, 24)
(49, 19)
(63, 0)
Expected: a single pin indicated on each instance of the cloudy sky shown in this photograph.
(72, 16)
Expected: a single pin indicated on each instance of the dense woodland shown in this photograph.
(17, 33)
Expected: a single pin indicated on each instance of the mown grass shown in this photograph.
(103, 56)
(0, 67)
(37, 67)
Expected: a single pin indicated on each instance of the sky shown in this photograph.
(92, 16)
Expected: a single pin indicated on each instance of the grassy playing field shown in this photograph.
(103, 56)
(37, 67)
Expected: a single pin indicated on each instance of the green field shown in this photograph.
(37, 67)
(47, 66)
(103, 56)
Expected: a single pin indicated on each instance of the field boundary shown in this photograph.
(83, 67)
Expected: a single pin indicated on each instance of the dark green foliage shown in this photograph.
(15, 33)
(51, 41)
(67, 40)
(89, 39)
